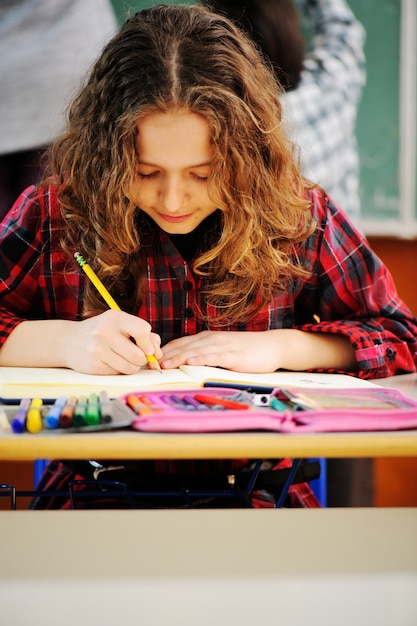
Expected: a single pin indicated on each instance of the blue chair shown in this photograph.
(319, 485)
(39, 466)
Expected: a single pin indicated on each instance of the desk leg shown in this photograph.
(288, 483)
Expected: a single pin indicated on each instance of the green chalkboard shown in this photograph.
(378, 117)
(124, 8)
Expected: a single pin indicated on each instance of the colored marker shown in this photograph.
(277, 405)
(193, 403)
(214, 400)
(80, 410)
(111, 303)
(137, 406)
(106, 408)
(19, 421)
(34, 416)
(67, 413)
(299, 400)
(175, 402)
(92, 414)
(146, 400)
(51, 419)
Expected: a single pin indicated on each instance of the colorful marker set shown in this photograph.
(215, 399)
(279, 410)
(189, 401)
(98, 412)
(206, 410)
(202, 400)
(33, 415)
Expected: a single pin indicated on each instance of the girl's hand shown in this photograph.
(239, 351)
(259, 352)
(113, 342)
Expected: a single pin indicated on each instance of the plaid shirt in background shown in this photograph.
(322, 109)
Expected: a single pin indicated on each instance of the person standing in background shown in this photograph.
(323, 86)
(46, 46)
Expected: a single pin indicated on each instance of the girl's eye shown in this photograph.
(147, 176)
(200, 179)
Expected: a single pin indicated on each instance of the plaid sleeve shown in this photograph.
(33, 282)
(18, 254)
(357, 296)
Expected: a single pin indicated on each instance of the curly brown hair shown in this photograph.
(184, 57)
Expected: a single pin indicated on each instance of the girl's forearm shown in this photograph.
(302, 350)
(39, 343)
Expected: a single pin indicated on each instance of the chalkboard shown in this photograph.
(124, 8)
(388, 207)
(387, 142)
(378, 118)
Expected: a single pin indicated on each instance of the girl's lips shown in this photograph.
(174, 219)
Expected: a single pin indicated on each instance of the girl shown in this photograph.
(176, 182)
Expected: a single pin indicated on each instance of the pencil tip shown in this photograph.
(153, 362)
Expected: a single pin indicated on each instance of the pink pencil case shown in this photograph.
(330, 410)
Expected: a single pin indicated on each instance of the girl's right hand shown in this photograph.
(113, 342)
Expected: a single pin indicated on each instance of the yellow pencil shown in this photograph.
(108, 299)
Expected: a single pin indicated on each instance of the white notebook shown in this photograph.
(49, 383)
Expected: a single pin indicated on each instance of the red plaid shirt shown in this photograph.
(350, 290)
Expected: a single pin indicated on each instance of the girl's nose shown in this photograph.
(172, 196)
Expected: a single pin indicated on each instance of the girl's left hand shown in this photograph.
(262, 351)
(240, 351)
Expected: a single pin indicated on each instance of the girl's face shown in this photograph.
(174, 162)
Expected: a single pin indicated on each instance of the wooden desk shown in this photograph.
(185, 568)
(407, 383)
(135, 445)
(129, 445)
